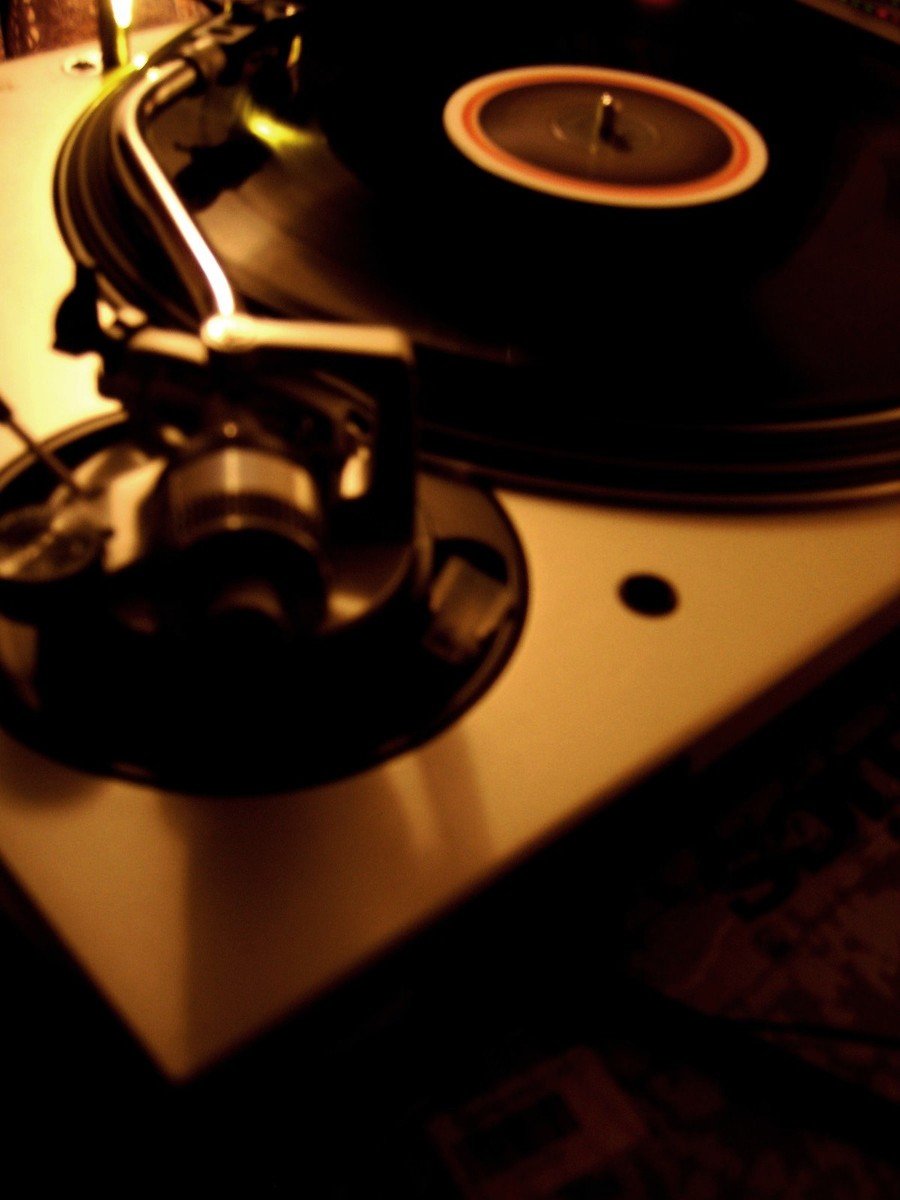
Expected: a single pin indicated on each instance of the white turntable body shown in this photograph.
(204, 921)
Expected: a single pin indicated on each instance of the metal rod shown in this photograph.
(113, 23)
(47, 457)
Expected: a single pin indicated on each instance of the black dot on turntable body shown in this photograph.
(649, 595)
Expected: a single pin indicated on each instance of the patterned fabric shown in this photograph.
(33, 25)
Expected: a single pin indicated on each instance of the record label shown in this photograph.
(605, 136)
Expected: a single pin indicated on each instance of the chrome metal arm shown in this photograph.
(223, 328)
(148, 187)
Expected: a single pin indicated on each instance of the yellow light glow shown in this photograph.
(276, 134)
(295, 51)
(122, 13)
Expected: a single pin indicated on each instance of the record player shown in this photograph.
(409, 455)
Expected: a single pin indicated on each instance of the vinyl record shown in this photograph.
(739, 348)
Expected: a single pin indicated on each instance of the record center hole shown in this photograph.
(649, 595)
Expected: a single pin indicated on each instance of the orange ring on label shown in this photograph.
(462, 121)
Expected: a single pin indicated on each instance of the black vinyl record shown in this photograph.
(736, 349)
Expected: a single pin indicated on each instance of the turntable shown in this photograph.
(431, 450)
